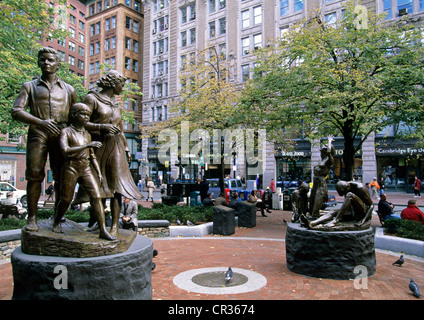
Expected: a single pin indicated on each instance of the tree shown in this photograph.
(205, 103)
(23, 24)
(348, 79)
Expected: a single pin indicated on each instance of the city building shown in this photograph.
(177, 30)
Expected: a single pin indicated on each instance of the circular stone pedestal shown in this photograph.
(337, 255)
(122, 276)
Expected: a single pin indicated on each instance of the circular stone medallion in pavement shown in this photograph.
(212, 281)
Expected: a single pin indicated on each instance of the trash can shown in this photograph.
(195, 199)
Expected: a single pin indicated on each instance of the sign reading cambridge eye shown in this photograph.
(400, 151)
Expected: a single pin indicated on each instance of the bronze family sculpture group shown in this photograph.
(85, 144)
(355, 212)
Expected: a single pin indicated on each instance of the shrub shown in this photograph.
(405, 228)
(161, 211)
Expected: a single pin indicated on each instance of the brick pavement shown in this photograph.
(262, 249)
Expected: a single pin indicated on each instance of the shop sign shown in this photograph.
(400, 151)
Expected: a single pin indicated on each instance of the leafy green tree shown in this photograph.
(23, 24)
(347, 79)
(206, 102)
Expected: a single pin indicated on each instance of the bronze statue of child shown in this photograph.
(77, 148)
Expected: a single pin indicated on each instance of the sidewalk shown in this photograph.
(262, 249)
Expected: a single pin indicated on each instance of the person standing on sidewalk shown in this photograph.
(417, 187)
(150, 188)
(375, 187)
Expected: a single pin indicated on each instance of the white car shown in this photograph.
(18, 194)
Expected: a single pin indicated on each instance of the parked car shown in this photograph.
(19, 194)
(231, 184)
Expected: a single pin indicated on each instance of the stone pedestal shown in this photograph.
(224, 222)
(330, 254)
(246, 214)
(74, 242)
(122, 276)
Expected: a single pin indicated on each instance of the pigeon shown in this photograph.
(153, 266)
(228, 275)
(399, 261)
(414, 288)
(155, 253)
(190, 223)
(178, 221)
(284, 221)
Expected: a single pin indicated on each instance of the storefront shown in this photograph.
(294, 165)
(398, 162)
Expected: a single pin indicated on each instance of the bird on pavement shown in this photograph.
(228, 275)
(284, 221)
(178, 221)
(414, 288)
(155, 253)
(189, 223)
(399, 261)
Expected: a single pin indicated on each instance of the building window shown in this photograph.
(222, 26)
(97, 46)
(91, 69)
(127, 43)
(137, 6)
(245, 73)
(135, 66)
(72, 46)
(183, 15)
(99, 6)
(257, 15)
(257, 41)
(193, 36)
(245, 19)
(113, 20)
(212, 7)
(80, 64)
(98, 28)
(128, 23)
(72, 31)
(284, 7)
(135, 45)
(97, 67)
(245, 46)
(212, 30)
(13, 138)
(72, 19)
(81, 50)
(107, 44)
(127, 63)
(183, 38)
(107, 24)
(81, 37)
(298, 5)
(135, 26)
(405, 5)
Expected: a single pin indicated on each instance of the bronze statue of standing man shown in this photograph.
(49, 100)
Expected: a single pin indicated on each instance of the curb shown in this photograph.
(397, 244)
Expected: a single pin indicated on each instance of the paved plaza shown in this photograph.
(261, 250)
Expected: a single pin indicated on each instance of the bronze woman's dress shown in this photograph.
(111, 156)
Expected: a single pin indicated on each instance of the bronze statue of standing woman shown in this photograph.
(114, 155)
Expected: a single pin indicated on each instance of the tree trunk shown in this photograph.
(348, 157)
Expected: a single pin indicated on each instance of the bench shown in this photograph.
(48, 204)
(8, 211)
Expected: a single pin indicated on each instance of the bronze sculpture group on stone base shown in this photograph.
(85, 145)
(355, 212)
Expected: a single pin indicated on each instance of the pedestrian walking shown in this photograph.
(375, 187)
(417, 187)
(150, 188)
